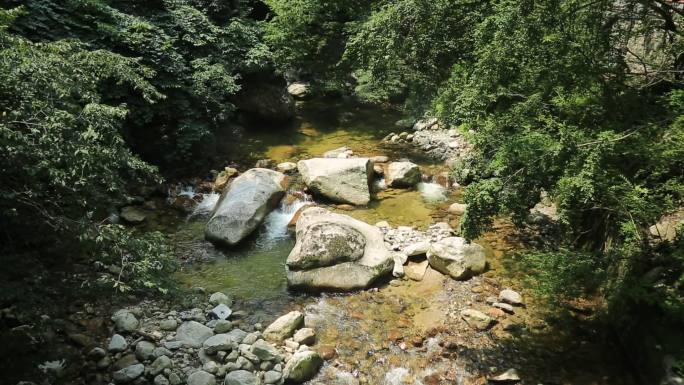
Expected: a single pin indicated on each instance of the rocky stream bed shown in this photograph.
(331, 265)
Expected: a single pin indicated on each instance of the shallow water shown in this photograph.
(256, 270)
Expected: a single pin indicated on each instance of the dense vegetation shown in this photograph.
(92, 95)
(580, 99)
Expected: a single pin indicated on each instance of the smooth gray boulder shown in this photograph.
(340, 180)
(457, 258)
(244, 205)
(241, 377)
(303, 366)
(402, 174)
(193, 334)
(350, 271)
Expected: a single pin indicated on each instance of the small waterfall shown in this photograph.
(207, 204)
(432, 192)
(379, 184)
(275, 223)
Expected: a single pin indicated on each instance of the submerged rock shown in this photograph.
(477, 319)
(350, 271)
(402, 174)
(457, 258)
(244, 205)
(416, 270)
(340, 180)
(133, 215)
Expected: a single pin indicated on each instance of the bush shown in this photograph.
(145, 262)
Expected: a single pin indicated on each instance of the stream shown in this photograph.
(402, 331)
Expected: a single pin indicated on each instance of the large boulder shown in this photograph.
(352, 255)
(265, 97)
(456, 257)
(244, 205)
(340, 180)
(325, 244)
(402, 174)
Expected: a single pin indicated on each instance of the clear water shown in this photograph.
(253, 271)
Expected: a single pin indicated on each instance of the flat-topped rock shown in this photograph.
(402, 174)
(340, 180)
(457, 258)
(350, 270)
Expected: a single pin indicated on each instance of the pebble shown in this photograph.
(159, 364)
(168, 324)
(117, 344)
(144, 350)
(511, 297)
(125, 321)
(160, 380)
(128, 374)
(272, 377)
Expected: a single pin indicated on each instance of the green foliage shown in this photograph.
(62, 155)
(568, 97)
(308, 36)
(563, 274)
(61, 150)
(144, 261)
(197, 52)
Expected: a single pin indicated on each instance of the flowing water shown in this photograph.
(382, 336)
